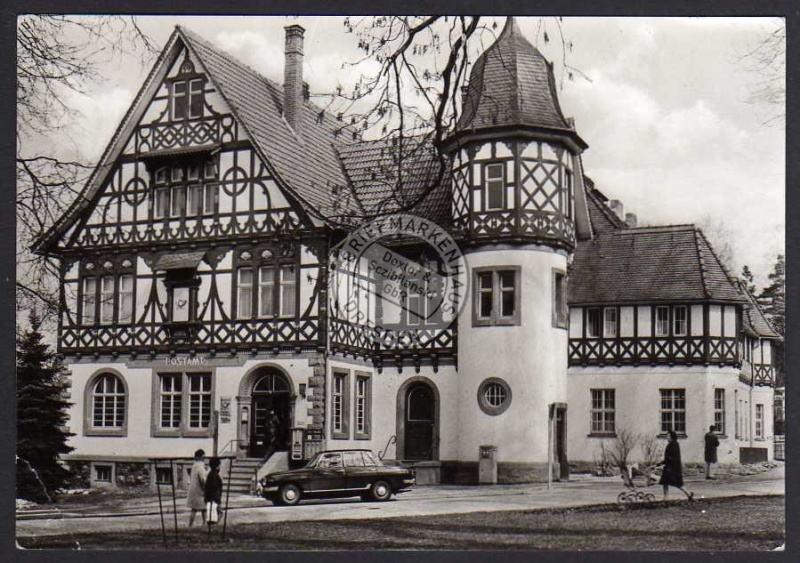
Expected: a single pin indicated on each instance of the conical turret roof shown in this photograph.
(511, 84)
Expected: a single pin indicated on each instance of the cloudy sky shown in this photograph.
(664, 110)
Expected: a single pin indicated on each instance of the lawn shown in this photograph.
(729, 524)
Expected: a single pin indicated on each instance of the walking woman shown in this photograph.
(672, 472)
(197, 481)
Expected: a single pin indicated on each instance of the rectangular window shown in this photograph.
(178, 201)
(210, 170)
(244, 308)
(593, 323)
(363, 398)
(560, 309)
(196, 98)
(759, 422)
(266, 291)
(339, 412)
(125, 313)
(719, 410)
(495, 186)
(288, 291)
(170, 400)
(179, 100)
(194, 200)
(193, 172)
(610, 322)
(89, 312)
(603, 411)
(107, 299)
(680, 321)
(662, 321)
(210, 199)
(163, 476)
(102, 473)
(161, 176)
(673, 410)
(161, 208)
(199, 400)
(496, 300)
(484, 298)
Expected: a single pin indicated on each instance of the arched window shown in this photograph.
(106, 406)
(271, 383)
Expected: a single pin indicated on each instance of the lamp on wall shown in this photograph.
(303, 390)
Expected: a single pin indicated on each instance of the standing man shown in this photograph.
(197, 482)
(712, 443)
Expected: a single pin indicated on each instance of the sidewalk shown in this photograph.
(581, 490)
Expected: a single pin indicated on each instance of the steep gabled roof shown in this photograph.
(372, 168)
(650, 264)
(306, 166)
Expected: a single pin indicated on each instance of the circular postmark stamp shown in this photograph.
(398, 280)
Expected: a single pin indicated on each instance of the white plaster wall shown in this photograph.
(139, 382)
(638, 404)
(531, 358)
(385, 388)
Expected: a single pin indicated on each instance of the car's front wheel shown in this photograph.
(381, 490)
(289, 494)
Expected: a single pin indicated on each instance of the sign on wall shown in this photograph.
(225, 409)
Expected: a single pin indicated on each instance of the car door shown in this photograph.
(360, 474)
(328, 474)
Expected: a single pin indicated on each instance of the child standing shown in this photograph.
(213, 492)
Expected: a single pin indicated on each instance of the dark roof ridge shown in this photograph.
(731, 278)
(656, 229)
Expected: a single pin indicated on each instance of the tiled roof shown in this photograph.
(652, 264)
(754, 320)
(511, 83)
(307, 165)
(603, 219)
(372, 168)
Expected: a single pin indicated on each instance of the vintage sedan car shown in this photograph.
(337, 473)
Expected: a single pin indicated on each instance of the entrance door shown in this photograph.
(561, 443)
(271, 416)
(419, 422)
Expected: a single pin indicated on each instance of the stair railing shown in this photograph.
(392, 440)
(229, 444)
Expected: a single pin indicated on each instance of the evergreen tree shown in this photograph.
(747, 276)
(41, 418)
(773, 303)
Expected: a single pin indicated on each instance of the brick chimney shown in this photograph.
(631, 220)
(293, 77)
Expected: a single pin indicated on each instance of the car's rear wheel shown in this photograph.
(381, 490)
(289, 494)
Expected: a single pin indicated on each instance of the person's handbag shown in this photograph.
(212, 509)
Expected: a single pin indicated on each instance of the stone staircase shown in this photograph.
(247, 470)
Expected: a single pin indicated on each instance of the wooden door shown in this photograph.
(419, 422)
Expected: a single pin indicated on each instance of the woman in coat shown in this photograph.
(672, 472)
(197, 481)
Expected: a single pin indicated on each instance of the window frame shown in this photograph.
(674, 324)
(171, 186)
(184, 429)
(758, 421)
(497, 295)
(485, 404)
(362, 406)
(672, 395)
(489, 182)
(589, 324)
(560, 306)
(89, 429)
(96, 298)
(659, 324)
(719, 411)
(188, 99)
(603, 411)
(340, 400)
(614, 322)
(256, 263)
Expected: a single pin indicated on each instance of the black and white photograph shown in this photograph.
(327, 283)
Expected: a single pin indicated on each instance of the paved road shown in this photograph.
(442, 499)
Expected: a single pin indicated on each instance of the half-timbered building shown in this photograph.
(199, 309)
